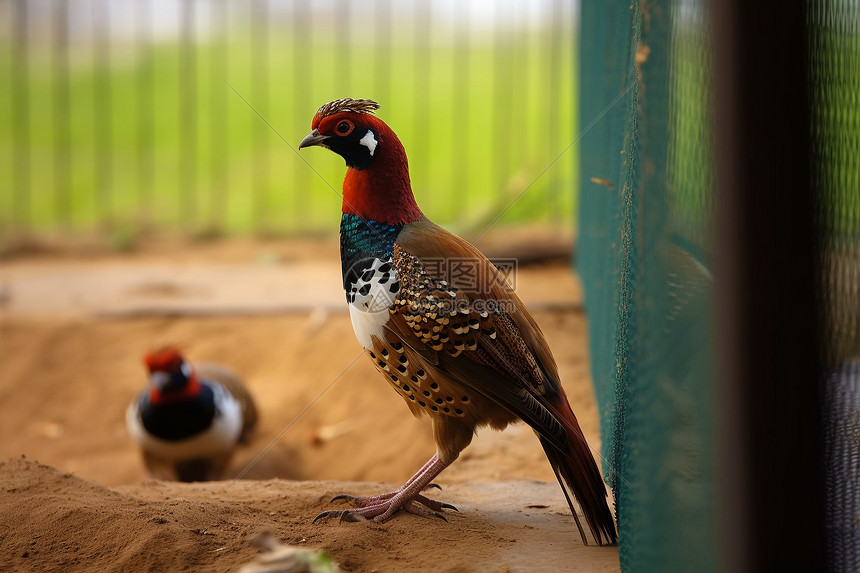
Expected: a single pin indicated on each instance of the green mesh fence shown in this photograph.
(835, 97)
(644, 254)
(646, 197)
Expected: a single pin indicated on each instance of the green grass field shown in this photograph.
(479, 125)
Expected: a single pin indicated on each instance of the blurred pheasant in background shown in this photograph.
(190, 419)
(458, 346)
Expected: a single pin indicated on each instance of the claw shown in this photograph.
(439, 515)
(326, 515)
(424, 509)
(351, 517)
(343, 515)
(341, 496)
(434, 485)
(433, 504)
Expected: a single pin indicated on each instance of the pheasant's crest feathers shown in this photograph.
(345, 105)
(165, 359)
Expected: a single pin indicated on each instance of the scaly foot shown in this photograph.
(367, 501)
(409, 498)
(381, 507)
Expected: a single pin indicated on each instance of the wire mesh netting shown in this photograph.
(835, 98)
(138, 115)
(645, 202)
(645, 255)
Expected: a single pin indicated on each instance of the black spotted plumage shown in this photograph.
(444, 318)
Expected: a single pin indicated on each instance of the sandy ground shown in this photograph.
(72, 332)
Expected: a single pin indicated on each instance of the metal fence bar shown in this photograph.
(145, 110)
(219, 164)
(61, 116)
(769, 394)
(188, 114)
(102, 112)
(301, 26)
(343, 61)
(382, 65)
(502, 116)
(21, 182)
(553, 100)
(461, 72)
(421, 78)
(260, 93)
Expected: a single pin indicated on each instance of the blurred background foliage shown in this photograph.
(123, 119)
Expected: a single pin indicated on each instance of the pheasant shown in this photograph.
(190, 419)
(442, 326)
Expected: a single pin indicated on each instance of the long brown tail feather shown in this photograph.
(580, 479)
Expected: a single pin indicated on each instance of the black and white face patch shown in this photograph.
(358, 146)
(369, 141)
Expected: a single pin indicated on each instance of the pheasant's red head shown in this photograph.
(171, 378)
(377, 185)
(166, 359)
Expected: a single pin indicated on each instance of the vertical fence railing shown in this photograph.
(145, 110)
(187, 123)
(553, 100)
(102, 112)
(301, 28)
(343, 65)
(61, 116)
(382, 48)
(219, 183)
(20, 111)
(461, 72)
(141, 130)
(260, 92)
(501, 105)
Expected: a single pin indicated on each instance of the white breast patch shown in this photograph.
(369, 299)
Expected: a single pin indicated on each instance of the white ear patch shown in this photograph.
(369, 141)
(159, 379)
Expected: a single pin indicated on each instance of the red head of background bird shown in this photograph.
(171, 378)
(463, 350)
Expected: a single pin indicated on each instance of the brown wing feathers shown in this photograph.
(447, 320)
(432, 315)
(499, 356)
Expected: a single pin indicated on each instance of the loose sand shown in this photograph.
(72, 333)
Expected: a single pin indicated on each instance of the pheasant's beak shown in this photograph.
(313, 138)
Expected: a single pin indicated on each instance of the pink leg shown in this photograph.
(366, 501)
(408, 497)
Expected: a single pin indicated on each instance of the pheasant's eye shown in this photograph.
(345, 127)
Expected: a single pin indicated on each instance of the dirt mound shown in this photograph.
(56, 521)
(73, 332)
(59, 522)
